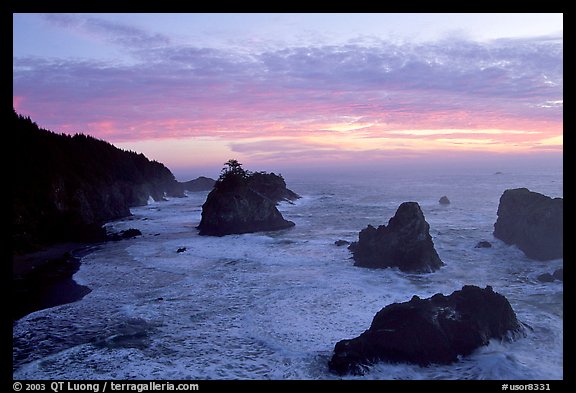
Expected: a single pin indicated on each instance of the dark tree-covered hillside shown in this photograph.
(65, 187)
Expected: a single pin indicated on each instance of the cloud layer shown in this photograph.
(326, 98)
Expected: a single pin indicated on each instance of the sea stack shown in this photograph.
(425, 331)
(444, 200)
(531, 221)
(405, 243)
(242, 202)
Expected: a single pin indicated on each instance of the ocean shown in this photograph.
(272, 305)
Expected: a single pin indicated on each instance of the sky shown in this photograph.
(297, 92)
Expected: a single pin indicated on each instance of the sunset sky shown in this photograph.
(297, 91)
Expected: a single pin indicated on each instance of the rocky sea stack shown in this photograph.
(425, 331)
(533, 222)
(405, 243)
(243, 202)
(444, 200)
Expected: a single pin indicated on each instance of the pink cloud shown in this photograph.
(299, 93)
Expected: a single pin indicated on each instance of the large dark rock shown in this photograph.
(241, 204)
(425, 331)
(533, 222)
(405, 243)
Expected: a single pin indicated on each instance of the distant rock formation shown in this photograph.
(425, 331)
(484, 244)
(242, 202)
(272, 186)
(65, 187)
(341, 242)
(444, 200)
(123, 235)
(405, 243)
(201, 183)
(531, 221)
(547, 277)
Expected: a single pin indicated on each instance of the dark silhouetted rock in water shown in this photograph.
(199, 184)
(341, 242)
(240, 204)
(546, 277)
(558, 274)
(426, 331)
(444, 200)
(122, 235)
(405, 243)
(483, 244)
(181, 249)
(531, 221)
(242, 210)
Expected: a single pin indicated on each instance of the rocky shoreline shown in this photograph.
(43, 279)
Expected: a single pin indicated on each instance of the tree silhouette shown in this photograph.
(233, 168)
(232, 175)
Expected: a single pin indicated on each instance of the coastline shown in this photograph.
(44, 279)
